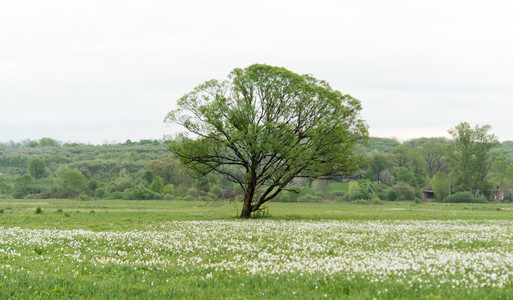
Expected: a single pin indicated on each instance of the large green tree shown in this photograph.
(266, 125)
(470, 158)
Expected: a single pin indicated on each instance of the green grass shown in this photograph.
(179, 249)
(130, 215)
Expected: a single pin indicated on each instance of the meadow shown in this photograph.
(196, 249)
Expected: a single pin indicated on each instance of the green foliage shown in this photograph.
(157, 185)
(122, 183)
(48, 142)
(92, 186)
(140, 193)
(69, 182)
(378, 163)
(434, 155)
(23, 186)
(353, 187)
(169, 189)
(5, 188)
(403, 174)
(381, 144)
(36, 167)
(441, 185)
(400, 156)
(169, 170)
(320, 186)
(264, 126)
(39, 211)
(469, 156)
(357, 195)
(392, 195)
(465, 197)
(404, 191)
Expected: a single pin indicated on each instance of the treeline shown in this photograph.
(130, 170)
(471, 167)
(145, 169)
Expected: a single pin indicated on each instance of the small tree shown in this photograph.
(440, 185)
(157, 185)
(69, 182)
(264, 126)
(23, 186)
(36, 167)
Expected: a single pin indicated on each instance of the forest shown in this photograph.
(143, 170)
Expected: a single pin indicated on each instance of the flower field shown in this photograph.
(263, 258)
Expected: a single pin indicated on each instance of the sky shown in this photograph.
(107, 71)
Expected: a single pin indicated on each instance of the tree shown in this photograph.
(157, 185)
(264, 126)
(469, 156)
(400, 156)
(70, 182)
(44, 142)
(378, 162)
(440, 183)
(23, 186)
(36, 167)
(386, 177)
(434, 155)
(418, 168)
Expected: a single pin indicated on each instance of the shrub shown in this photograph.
(310, 198)
(465, 197)
(157, 185)
(217, 191)
(140, 193)
(83, 197)
(193, 192)
(39, 211)
(168, 197)
(357, 195)
(391, 195)
(404, 191)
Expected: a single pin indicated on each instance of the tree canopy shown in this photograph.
(470, 158)
(266, 125)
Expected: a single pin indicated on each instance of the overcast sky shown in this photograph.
(102, 71)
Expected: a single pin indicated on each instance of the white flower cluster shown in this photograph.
(460, 253)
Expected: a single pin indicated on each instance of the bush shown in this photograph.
(404, 191)
(310, 198)
(465, 197)
(391, 195)
(217, 191)
(140, 193)
(169, 189)
(39, 211)
(357, 195)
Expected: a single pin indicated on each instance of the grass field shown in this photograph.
(168, 249)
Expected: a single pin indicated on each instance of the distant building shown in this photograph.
(428, 195)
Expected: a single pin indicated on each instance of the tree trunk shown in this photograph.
(246, 211)
(246, 204)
